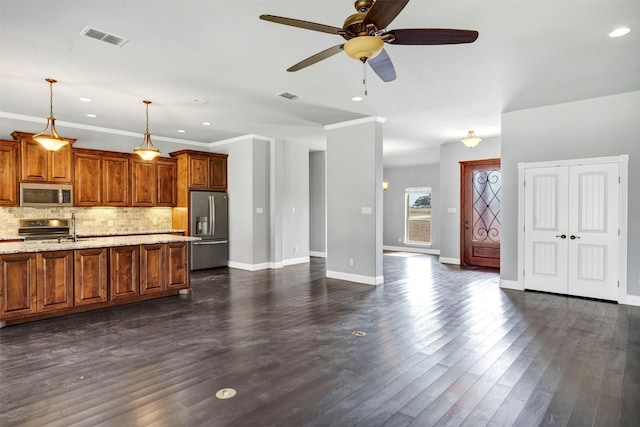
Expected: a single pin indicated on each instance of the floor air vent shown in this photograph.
(102, 36)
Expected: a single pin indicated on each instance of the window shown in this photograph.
(418, 215)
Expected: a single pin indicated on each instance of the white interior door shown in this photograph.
(594, 210)
(546, 229)
(572, 230)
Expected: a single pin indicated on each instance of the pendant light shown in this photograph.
(471, 140)
(146, 150)
(49, 137)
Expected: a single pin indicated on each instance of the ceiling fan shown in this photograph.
(365, 34)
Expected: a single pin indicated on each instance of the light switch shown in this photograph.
(452, 210)
(259, 211)
(366, 210)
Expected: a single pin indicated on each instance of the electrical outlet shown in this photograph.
(155, 221)
(295, 249)
(110, 223)
(399, 239)
(351, 262)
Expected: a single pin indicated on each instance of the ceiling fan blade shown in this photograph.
(382, 12)
(302, 24)
(432, 36)
(383, 67)
(316, 58)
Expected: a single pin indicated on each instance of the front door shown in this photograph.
(571, 230)
(481, 193)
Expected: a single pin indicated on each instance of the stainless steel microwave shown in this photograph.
(36, 194)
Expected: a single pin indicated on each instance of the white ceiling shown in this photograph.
(528, 54)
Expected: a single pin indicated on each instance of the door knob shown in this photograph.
(562, 236)
(572, 237)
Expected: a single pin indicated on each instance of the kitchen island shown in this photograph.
(40, 279)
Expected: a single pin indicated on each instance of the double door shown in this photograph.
(572, 222)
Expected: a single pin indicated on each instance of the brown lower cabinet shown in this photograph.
(54, 280)
(54, 283)
(124, 269)
(178, 267)
(18, 285)
(90, 276)
(152, 267)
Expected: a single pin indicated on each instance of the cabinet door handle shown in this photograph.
(562, 236)
(572, 237)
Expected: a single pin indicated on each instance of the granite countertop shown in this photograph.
(90, 242)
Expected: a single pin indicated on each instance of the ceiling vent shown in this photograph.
(290, 96)
(100, 35)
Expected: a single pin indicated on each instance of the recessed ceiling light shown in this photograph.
(93, 116)
(182, 131)
(356, 98)
(206, 124)
(619, 32)
(85, 99)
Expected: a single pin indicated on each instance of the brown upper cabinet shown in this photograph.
(198, 170)
(9, 173)
(107, 178)
(37, 164)
(143, 183)
(166, 175)
(101, 178)
(153, 183)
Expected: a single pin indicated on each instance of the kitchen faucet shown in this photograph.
(73, 224)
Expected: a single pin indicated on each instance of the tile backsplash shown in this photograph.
(91, 221)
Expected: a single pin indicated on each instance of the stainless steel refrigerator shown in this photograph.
(209, 220)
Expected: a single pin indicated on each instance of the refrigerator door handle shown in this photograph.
(212, 216)
(211, 242)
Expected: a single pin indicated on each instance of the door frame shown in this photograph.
(464, 186)
(623, 161)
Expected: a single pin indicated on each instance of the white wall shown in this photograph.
(268, 181)
(317, 204)
(399, 179)
(354, 182)
(450, 157)
(598, 127)
(295, 230)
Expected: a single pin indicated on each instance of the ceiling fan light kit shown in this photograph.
(364, 47)
(49, 137)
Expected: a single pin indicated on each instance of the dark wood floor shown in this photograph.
(443, 346)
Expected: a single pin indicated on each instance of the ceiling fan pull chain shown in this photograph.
(364, 77)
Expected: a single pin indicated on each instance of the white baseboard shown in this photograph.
(249, 267)
(267, 265)
(631, 300)
(367, 280)
(294, 261)
(511, 284)
(318, 254)
(445, 260)
(412, 249)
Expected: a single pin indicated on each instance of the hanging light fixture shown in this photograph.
(49, 137)
(146, 150)
(471, 140)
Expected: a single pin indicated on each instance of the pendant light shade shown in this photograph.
(49, 137)
(146, 150)
(471, 140)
